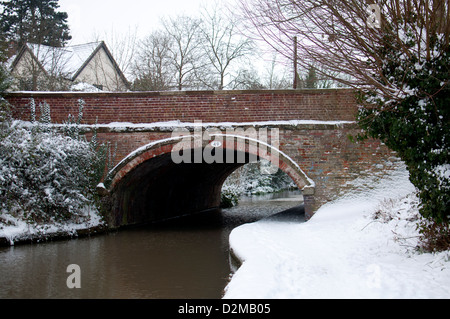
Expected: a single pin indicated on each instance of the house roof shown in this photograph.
(69, 61)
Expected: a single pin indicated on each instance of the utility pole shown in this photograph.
(295, 64)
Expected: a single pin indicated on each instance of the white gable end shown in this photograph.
(101, 72)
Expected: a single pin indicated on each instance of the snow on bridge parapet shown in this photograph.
(170, 126)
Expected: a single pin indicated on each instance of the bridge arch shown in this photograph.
(147, 185)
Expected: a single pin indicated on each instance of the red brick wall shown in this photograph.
(207, 106)
(323, 152)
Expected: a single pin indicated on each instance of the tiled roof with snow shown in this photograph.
(66, 60)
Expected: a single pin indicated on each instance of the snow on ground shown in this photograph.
(13, 229)
(342, 251)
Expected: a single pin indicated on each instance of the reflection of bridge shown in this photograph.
(305, 134)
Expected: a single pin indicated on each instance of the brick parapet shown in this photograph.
(207, 106)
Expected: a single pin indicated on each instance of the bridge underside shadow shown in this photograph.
(159, 189)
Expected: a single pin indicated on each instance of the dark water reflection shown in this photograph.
(185, 258)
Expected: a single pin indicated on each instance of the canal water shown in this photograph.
(185, 258)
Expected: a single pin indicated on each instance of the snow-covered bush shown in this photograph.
(46, 176)
(416, 124)
(255, 182)
(249, 180)
(230, 195)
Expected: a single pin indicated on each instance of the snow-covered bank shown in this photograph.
(342, 252)
(14, 230)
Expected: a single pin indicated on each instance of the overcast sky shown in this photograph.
(89, 17)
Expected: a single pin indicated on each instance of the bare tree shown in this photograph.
(274, 77)
(152, 68)
(397, 54)
(247, 79)
(193, 53)
(347, 37)
(185, 53)
(223, 46)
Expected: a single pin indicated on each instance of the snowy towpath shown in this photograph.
(342, 252)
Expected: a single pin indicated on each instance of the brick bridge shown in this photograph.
(303, 132)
